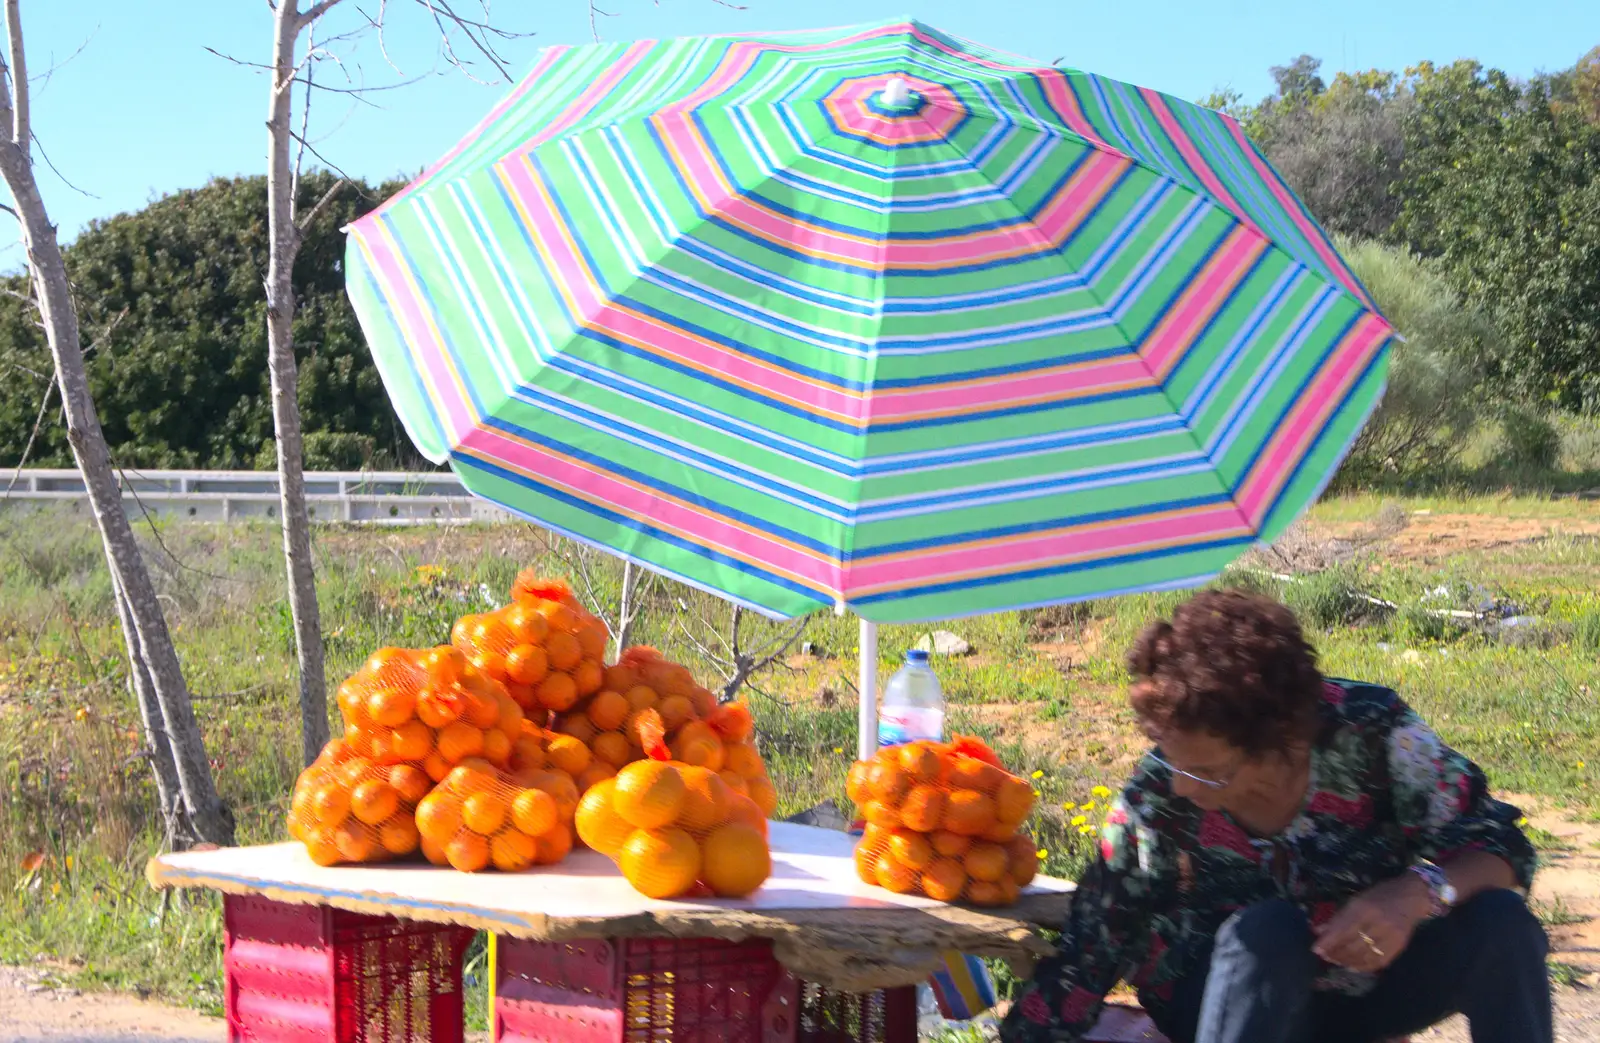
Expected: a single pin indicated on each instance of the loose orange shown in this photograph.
(356, 842)
(534, 812)
(598, 823)
(511, 851)
(373, 801)
(612, 748)
(484, 813)
(1013, 799)
(410, 781)
(735, 861)
(660, 863)
(649, 794)
(968, 812)
(705, 800)
(323, 850)
(468, 852)
(459, 741)
(497, 747)
(943, 880)
(391, 707)
(598, 771)
(331, 804)
(411, 741)
(888, 781)
(736, 782)
(856, 785)
(567, 754)
(894, 876)
(764, 794)
(911, 849)
(437, 707)
(588, 676)
(563, 650)
(986, 862)
(923, 809)
(607, 710)
(920, 761)
(971, 773)
(880, 814)
(950, 844)
(399, 835)
(558, 692)
(439, 817)
(554, 845)
(743, 758)
(526, 664)
(675, 711)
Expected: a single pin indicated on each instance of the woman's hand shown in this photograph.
(1375, 926)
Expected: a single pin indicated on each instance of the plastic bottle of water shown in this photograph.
(912, 706)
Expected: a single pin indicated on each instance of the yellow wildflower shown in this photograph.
(838, 749)
(1101, 792)
(1043, 853)
(1086, 830)
(1067, 805)
(1089, 806)
(1038, 774)
(1078, 820)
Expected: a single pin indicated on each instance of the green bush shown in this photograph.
(1528, 441)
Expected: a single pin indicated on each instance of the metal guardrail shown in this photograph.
(368, 497)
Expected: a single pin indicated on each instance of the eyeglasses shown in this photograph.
(1191, 776)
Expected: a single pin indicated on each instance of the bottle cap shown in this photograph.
(918, 656)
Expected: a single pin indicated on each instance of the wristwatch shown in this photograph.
(1440, 888)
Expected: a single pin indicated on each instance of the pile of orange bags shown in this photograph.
(477, 753)
(942, 820)
(675, 828)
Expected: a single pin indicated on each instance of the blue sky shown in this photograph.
(143, 110)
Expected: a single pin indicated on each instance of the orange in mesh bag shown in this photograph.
(674, 828)
(942, 820)
(479, 817)
(544, 647)
(349, 808)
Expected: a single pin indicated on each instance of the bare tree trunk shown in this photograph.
(59, 315)
(168, 791)
(285, 245)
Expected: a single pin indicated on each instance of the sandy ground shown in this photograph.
(31, 1011)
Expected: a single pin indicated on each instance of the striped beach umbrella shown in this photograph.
(870, 317)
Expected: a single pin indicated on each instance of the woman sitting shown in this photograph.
(1298, 859)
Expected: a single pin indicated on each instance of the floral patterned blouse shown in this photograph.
(1385, 793)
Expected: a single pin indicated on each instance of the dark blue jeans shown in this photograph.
(1486, 960)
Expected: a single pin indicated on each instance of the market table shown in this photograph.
(374, 952)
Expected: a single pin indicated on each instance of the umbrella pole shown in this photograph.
(867, 729)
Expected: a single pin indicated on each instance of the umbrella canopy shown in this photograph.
(870, 316)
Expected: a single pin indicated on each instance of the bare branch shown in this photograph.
(322, 8)
(43, 79)
(57, 172)
(21, 124)
(322, 204)
(14, 214)
(27, 450)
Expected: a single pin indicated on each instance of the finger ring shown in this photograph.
(1372, 944)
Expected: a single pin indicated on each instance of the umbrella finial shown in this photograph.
(897, 94)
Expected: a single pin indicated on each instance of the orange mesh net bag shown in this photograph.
(943, 820)
(544, 647)
(481, 818)
(697, 730)
(350, 808)
(675, 829)
(429, 707)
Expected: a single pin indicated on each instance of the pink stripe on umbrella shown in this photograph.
(1226, 269)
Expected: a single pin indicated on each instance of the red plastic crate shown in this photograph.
(311, 974)
(679, 990)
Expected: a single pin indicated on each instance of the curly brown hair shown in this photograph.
(1231, 664)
